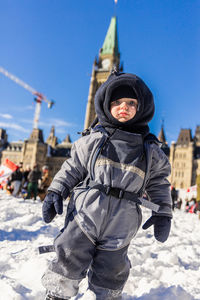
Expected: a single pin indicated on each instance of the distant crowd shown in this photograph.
(190, 205)
(29, 183)
(33, 183)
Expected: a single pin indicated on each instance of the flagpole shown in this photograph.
(115, 8)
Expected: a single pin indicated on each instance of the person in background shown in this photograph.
(33, 178)
(15, 181)
(45, 182)
(174, 197)
(21, 166)
(24, 188)
(179, 203)
(25, 174)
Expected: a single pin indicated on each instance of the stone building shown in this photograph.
(35, 150)
(185, 159)
(108, 59)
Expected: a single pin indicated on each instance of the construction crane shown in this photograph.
(38, 96)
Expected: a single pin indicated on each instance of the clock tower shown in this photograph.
(109, 58)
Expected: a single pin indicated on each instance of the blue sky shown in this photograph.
(51, 45)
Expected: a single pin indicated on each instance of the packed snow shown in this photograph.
(159, 271)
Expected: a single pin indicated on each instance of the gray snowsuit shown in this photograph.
(106, 176)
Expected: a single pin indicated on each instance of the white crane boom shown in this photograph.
(39, 97)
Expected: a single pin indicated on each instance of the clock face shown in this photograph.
(106, 63)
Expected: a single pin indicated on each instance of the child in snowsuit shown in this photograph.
(109, 170)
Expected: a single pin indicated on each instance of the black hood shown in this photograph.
(145, 111)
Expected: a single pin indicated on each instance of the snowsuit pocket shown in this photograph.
(71, 205)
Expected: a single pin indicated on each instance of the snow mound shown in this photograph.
(168, 271)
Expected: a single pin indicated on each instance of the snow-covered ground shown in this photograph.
(159, 271)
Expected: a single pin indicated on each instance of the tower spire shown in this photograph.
(161, 135)
(110, 45)
(162, 139)
(52, 139)
(109, 58)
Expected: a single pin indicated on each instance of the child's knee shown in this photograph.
(110, 269)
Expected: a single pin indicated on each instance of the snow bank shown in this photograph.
(159, 271)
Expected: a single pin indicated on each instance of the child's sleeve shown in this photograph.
(73, 170)
(158, 186)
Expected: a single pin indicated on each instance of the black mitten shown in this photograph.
(53, 204)
(162, 226)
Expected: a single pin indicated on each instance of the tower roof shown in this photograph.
(52, 132)
(197, 134)
(36, 135)
(52, 139)
(110, 45)
(185, 137)
(161, 136)
(68, 139)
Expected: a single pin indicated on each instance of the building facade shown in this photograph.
(35, 151)
(185, 159)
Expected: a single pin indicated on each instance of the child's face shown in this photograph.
(124, 109)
